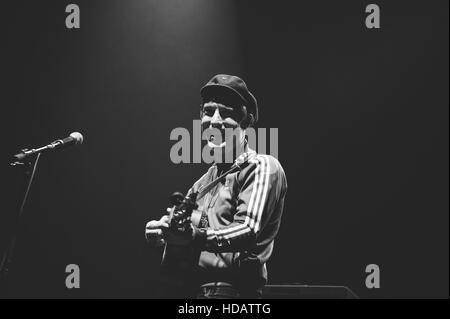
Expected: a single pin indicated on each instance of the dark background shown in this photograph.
(363, 135)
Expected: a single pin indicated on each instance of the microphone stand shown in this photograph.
(28, 166)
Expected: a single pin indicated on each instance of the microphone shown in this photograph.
(74, 138)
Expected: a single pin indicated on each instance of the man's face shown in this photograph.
(224, 115)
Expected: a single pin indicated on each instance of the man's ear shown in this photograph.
(248, 119)
(201, 111)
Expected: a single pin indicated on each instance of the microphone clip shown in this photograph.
(23, 158)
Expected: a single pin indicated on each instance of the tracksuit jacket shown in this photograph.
(243, 218)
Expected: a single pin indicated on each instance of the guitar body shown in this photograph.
(184, 259)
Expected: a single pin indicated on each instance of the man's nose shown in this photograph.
(216, 120)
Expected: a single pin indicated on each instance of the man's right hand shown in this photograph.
(154, 231)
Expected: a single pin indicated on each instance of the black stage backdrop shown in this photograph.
(363, 135)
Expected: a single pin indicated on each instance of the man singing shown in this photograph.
(241, 214)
